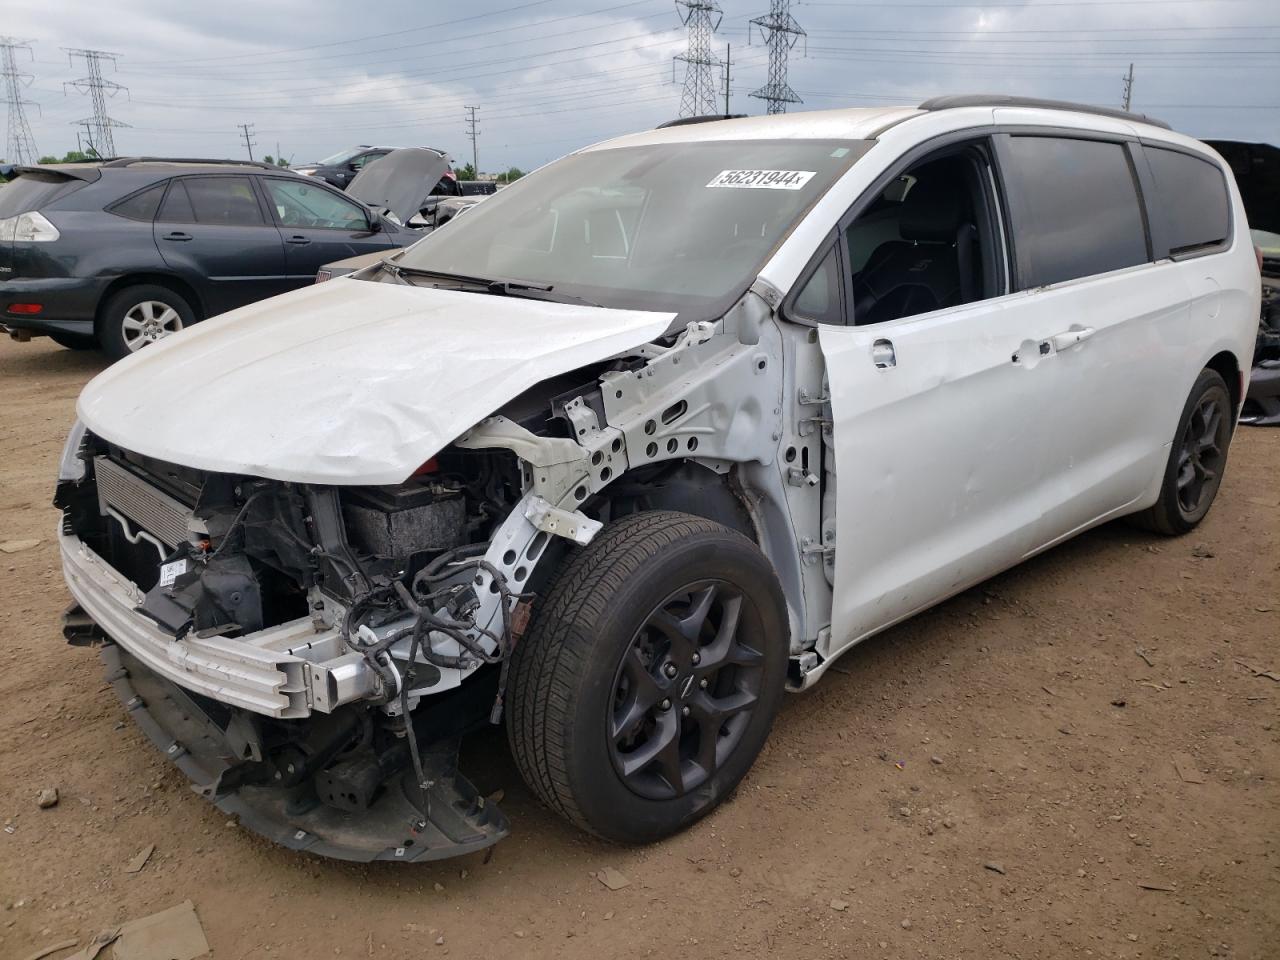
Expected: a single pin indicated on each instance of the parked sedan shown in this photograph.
(125, 252)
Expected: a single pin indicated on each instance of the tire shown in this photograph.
(74, 341)
(137, 316)
(1197, 460)
(576, 719)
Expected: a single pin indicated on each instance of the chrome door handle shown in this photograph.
(1069, 338)
(883, 354)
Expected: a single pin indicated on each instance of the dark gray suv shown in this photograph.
(123, 252)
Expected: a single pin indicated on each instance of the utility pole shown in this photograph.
(20, 146)
(246, 131)
(1128, 88)
(472, 132)
(780, 32)
(728, 63)
(701, 17)
(98, 90)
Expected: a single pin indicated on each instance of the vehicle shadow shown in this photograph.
(844, 699)
(21, 359)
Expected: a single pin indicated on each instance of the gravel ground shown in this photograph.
(1077, 759)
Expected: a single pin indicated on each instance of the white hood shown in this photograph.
(346, 382)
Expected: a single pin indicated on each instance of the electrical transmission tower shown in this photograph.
(101, 141)
(702, 17)
(20, 146)
(780, 32)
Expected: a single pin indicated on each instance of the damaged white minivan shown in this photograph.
(642, 441)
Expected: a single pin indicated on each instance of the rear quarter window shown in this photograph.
(34, 191)
(141, 205)
(1075, 208)
(1191, 209)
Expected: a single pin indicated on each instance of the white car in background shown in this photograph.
(640, 442)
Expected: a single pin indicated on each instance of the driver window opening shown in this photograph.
(926, 243)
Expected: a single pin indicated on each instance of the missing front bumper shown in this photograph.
(460, 821)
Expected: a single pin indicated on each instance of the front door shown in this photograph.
(937, 394)
(318, 226)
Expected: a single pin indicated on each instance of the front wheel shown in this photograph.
(650, 675)
(1197, 459)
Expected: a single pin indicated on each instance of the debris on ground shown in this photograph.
(1187, 769)
(840, 905)
(1201, 551)
(14, 546)
(612, 879)
(51, 948)
(173, 934)
(1156, 885)
(96, 945)
(1258, 671)
(48, 798)
(1145, 659)
(994, 868)
(140, 859)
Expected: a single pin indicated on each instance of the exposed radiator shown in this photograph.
(150, 508)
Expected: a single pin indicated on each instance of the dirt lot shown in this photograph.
(994, 779)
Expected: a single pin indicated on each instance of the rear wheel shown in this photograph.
(1197, 459)
(139, 316)
(650, 675)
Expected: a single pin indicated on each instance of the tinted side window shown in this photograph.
(299, 203)
(819, 299)
(177, 205)
(1075, 209)
(140, 206)
(224, 201)
(1191, 202)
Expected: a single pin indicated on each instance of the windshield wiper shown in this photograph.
(521, 289)
(536, 291)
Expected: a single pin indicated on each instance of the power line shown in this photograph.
(472, 132)
(780, 32)
(20, 145)
(698, 97)
(98, 90)
(246, 131)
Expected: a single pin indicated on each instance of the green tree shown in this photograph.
(48, 159)
(268, 159)
(466, 173)
(75, 156)
(511, 176)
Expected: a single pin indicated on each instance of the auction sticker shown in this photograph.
(762, 179)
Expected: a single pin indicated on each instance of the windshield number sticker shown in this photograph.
(170, 572)
(762, 179)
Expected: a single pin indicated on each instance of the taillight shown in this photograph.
(25, 308)
(431, 466)
(1257, 252)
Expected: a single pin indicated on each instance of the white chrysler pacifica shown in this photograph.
(647, 438)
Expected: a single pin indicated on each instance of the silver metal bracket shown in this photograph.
(811, 551)
(572, 525)
(809, 399)
(584, 419)
(807, 425)
(801, 478)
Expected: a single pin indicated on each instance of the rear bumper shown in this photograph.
(70, 304)
(284, 672)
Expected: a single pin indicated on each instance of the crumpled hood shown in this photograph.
(346, 382)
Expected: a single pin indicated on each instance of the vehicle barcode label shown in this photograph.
(170, 572)
(762, 179)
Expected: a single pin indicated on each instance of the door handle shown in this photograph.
(1069, 338)
(298, 241)
(883, 354)
(177, 235)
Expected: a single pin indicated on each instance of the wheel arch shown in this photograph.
(1225, 364)
(174, 283)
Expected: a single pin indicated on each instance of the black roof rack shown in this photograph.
(196, 161)
(1002, 100)
(709, 118)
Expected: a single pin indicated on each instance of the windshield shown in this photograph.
(680, 227)
(342, 156)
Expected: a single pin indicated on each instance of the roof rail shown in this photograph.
(130, 161)
(1002, 100)
(709, 118)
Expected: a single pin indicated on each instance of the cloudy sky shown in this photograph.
(549, 76)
